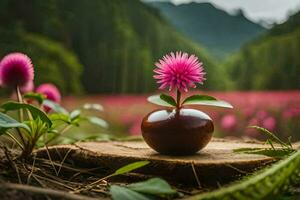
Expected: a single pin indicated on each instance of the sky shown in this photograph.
(256, 10)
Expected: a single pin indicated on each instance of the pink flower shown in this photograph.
(228, 122)
(179, 71)
(50, 91)
(291, 112)
(28, 87)
(269, 123)
(16, 70)
(135, 129)
(260, 115)
(253, 122)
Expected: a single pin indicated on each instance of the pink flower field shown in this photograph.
(278, 111)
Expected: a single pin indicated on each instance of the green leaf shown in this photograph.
(35, 96)
(154, 186)
(60, 117)
(97, 121)
(9, 106)
(162, 100)
(206, 101)
(123, 193)
(8, 122)
(267, 183)
(93, 106)
(169, 99)
(130, 167)
(198, 97)
(270, 135)
(55, 106)
(75, 114)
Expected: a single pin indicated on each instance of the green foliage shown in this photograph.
(97, 121)
(288, 27)
(54, 106)
(130, 167)
(168, 99)
(270, 62)
(36, 128)
(35, 112)
(123, 193)
(154, 186)
(272, 137)
(146, 190)
(276, 153)
(156, 99)
(206, 100)
(264, 184)
(6, 122)
(93, 106)
(35, 96)
(203, 23)
(52, 62)
(123, 170)
(285, 149)
(117, 41)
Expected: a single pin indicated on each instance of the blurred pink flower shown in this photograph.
(179, 71)
(228, 122)
(253, 122)
(135, 129)
(16, 70)
(248, 112)
(50, 91)
(291, 112)
(269, 123)
(260, 115)
(28, 87)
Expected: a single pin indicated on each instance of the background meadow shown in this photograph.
(104, 52)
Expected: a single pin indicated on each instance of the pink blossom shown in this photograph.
(179, 71)
(229, 122)
(260, 115)
(291, 112)
(50, 91)
(269, 123)
(248, 112)
(135, 129)
(253, 122)
(16, 70)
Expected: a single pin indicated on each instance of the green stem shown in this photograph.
(15, 139)
(19, 96)
(20, 100)
(178, 99)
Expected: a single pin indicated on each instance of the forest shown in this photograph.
(110, 47)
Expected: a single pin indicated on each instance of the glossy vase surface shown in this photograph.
(177, 131)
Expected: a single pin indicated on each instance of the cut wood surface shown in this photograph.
(215, 164)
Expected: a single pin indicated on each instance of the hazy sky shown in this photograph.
(270, 10)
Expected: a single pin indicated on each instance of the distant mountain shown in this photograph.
(117, 41)
(292, 24)
(271, 61)
(219, 31)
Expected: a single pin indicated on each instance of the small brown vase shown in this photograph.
(177, 131)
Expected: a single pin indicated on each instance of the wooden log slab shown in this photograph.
(216, 164)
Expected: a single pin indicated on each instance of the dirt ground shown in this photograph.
(58, 175)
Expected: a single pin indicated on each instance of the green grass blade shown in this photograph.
(264, 184)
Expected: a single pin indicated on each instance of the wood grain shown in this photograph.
(215, 164)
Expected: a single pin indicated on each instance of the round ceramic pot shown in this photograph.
(177, 131)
